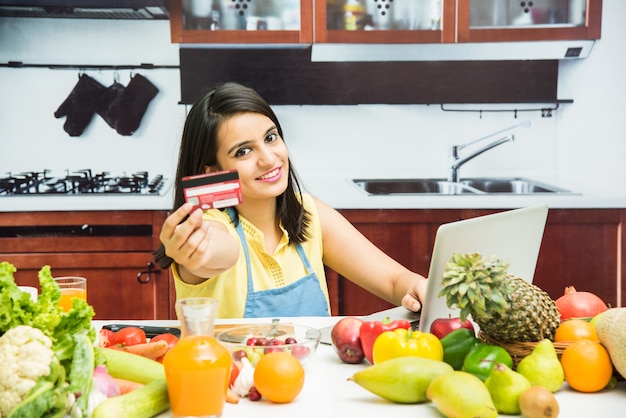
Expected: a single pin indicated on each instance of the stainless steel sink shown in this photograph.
(412, 186)
(511, 186)
(469, 186)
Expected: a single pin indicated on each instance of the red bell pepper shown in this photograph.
(370, 330)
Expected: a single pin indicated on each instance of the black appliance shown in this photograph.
(81, 182)
(86, 9)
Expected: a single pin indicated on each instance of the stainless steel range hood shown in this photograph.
(86, 9)
(486, 51)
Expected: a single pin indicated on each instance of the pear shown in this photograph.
(460, 394)
(611, 330)
(401, 379)
(505, 387)
(542, 367)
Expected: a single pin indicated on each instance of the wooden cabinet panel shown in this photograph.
(580, 247)
(122, 281)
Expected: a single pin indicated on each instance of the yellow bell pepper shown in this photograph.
(402, 342)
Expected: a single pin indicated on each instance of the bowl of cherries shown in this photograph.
(254, 341)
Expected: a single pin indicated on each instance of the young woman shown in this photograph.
(264, 257)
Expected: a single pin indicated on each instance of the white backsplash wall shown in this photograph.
(32, 139)
(583, 141)
(413, 140)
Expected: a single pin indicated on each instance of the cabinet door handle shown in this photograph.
(148, 273)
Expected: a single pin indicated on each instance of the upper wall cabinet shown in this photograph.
(537, 20)
(455, 21)
(241, 21)
(382, 21)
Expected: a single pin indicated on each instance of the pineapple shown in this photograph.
(505, 307)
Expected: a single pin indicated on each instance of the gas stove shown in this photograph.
(81, 182)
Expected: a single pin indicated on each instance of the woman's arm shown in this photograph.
(353, 256)
(202, 249)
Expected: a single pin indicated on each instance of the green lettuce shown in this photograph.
(16, 308)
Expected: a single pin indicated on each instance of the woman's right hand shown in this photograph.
(202, 249)
(186, 242)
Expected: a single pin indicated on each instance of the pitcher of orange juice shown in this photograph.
(197, 368)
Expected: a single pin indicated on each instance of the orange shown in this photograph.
(587, 366)
(279, 377)
(574, 330)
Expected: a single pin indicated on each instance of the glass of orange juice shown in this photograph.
(71, 287)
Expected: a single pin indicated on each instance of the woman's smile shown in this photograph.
(271, 176)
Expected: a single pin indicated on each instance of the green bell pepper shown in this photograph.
(456, 345)
(482, 359)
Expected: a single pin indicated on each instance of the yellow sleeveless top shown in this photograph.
(269, 271)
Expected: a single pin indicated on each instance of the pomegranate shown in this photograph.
(575, 304)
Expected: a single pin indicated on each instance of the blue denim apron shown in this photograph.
(303, 297)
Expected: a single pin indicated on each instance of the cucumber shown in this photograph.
(147, 401)
(133, 367)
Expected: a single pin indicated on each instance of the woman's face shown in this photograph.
(249, 143)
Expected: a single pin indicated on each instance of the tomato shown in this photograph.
(130, 336)
(171, 339)
(106, 338)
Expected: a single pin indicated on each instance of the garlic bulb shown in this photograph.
(245, 379)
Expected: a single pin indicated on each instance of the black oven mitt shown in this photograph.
(130, 107)
(80, 106)
(109, 101)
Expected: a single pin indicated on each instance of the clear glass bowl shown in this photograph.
(254, 341)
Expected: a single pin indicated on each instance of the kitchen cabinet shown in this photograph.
(112, 249)
(581, 247)
(451, 21)
(539, 20)
(382, 21)
(241, 21)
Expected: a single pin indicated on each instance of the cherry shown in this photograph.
(262, 341)
(239, 354)
(275, 341)
(291, 340)
(254, 394)
(251, 341)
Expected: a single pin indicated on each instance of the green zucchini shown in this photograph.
(133, 367)
(145, 402)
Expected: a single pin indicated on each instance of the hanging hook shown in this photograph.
(116, 77)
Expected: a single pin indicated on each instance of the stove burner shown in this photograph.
(81, 182)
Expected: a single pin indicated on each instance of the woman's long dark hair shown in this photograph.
(198, 150)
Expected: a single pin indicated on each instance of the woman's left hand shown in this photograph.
(415, 294)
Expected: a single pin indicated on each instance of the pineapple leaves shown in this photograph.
(476, 285)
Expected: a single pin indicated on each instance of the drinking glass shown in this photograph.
(71, 287)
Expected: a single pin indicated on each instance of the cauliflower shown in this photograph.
(25, 354)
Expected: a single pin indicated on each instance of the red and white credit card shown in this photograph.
(213, 190)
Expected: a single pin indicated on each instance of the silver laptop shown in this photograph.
(513, 235)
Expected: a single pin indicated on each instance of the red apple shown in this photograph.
(346, 340)
(443, 326)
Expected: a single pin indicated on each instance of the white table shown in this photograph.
(328, 393)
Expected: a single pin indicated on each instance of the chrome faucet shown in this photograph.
(456, 162)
